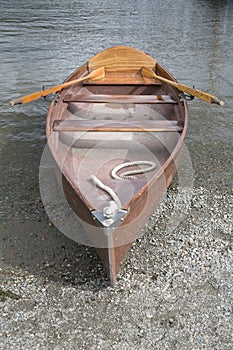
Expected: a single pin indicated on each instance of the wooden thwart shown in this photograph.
(124, 79)
(112, 126)
(143, 99)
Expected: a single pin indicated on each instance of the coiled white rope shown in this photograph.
(107, 189)
(116, 205)
(130, 174)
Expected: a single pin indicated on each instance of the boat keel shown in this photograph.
(111, 255)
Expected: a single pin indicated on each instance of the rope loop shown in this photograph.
(107, 189)
(116, 203)
(130, 174)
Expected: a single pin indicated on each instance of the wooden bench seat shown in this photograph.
(116, 126)
(98, 98)
(121, 79)
(122, 67)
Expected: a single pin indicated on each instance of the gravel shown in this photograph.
(173, 292)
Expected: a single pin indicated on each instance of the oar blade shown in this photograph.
(97, 74)
(147, 72)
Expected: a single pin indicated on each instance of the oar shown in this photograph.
(94, 75)
(149, 73)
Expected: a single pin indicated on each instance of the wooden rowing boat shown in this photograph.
(96, 127)
(119, 110)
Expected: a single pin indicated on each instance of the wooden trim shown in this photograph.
(97, 98)
(112, 126)
(123, 79)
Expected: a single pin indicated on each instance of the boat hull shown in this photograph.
(131, 130)
(113, 246)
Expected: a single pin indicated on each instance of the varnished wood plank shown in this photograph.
(123, 79)
(121, 59)
(98, 98)
(111, 126)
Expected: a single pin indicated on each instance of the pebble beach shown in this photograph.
(174, 290)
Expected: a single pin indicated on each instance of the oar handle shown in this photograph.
(205, 96)
(96, 74)
(149, 73)
(17, 101)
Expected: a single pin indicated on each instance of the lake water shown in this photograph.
(41, 43)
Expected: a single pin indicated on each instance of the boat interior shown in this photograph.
(120, 118)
